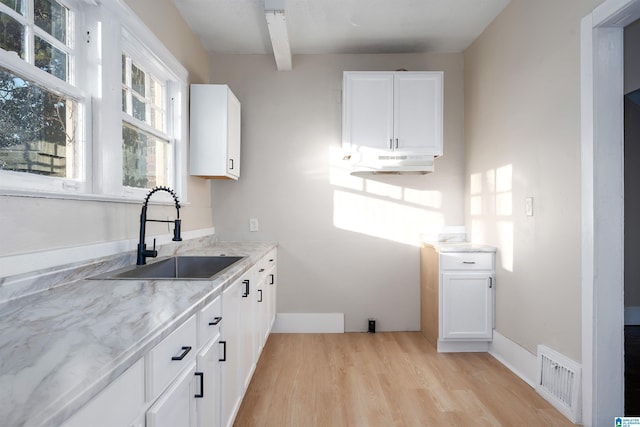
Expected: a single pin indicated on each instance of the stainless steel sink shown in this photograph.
(175, 268)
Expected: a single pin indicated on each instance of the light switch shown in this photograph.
(528, 206)
(253, 224)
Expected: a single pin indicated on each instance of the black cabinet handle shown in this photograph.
(231, 162)
(246, 288)
(468, 262)
(261, 270)
(271, 260)
(272, 279)
(185, 350)
(490, 282)
(260, 290)
(201, 394)
(224, 352)
(215, 321)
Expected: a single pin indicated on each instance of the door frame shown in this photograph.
(602, 149)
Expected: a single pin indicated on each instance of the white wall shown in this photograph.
(522, 139)
(347, 244)
(36, 224)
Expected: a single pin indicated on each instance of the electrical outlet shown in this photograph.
(253, 224)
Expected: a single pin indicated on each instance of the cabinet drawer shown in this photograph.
(166, 360)
(209, 321)
(466, 261)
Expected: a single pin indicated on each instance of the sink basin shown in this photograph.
(175, 268)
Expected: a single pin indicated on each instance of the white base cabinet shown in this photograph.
(176, 406)
(197, 375)
(457, 298)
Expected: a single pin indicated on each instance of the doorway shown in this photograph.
(602, 112)
(631, 223)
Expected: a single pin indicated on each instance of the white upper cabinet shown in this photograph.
(214, 132)
(397, 112)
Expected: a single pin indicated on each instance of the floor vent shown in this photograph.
(559, 382)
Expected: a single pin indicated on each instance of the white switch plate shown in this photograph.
(528, 206)
(253, 224)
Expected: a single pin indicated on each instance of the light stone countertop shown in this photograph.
(459, 247)
(61, 347)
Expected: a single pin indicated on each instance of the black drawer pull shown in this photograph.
(246, 288)
(185, 350)
(215, 321)
(468, 262)
(261, 270)
(201, 394)
(272, 279)
(224, 352)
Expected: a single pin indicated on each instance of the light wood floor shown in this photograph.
(385, 379)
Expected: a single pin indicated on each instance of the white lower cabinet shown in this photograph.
(467, 306)
(125, 393)
(457, 298)
(230, 361)
(177, 405)
(198, 374)
(208, 373)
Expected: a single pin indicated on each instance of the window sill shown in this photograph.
(86, 197)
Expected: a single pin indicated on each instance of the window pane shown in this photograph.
(139, 108)
(50, 59)
(157, 119)
(52, 17)
(138, 80)
(145, 158)
(11, 35)
(17, 5)
(38, 128)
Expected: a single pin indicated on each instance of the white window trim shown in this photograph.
(103, 106)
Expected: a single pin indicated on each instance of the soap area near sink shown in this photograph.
(64, 338)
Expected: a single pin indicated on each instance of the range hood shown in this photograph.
(395, 164)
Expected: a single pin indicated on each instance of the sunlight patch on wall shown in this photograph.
(376, 207)
(383, 218)
(491, 210)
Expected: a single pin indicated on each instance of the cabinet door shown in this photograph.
(208, 401)
(230, 352)
(249, 334)
(418, 112)
(233, 136)
(176, 406)
(367, 112)
(467, 306)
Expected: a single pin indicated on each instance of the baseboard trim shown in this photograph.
(517, 359)
(463, 346)
(314, 323)
(632, 315)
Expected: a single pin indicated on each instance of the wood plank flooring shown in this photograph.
(385, 379)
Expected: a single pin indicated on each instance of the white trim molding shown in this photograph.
(602, 147)
(519, 361)
(309, 323)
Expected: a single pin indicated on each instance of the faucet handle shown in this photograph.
(176, 230)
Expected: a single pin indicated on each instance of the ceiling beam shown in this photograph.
(277, 25)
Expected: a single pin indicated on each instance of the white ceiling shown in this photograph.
(342, 26)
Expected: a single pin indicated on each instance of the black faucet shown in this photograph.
(143, 252)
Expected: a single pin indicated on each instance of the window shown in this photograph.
(91, 103)
(146, 145)
(41, 107)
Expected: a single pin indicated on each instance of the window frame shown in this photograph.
(102, 30)
(28, 183)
